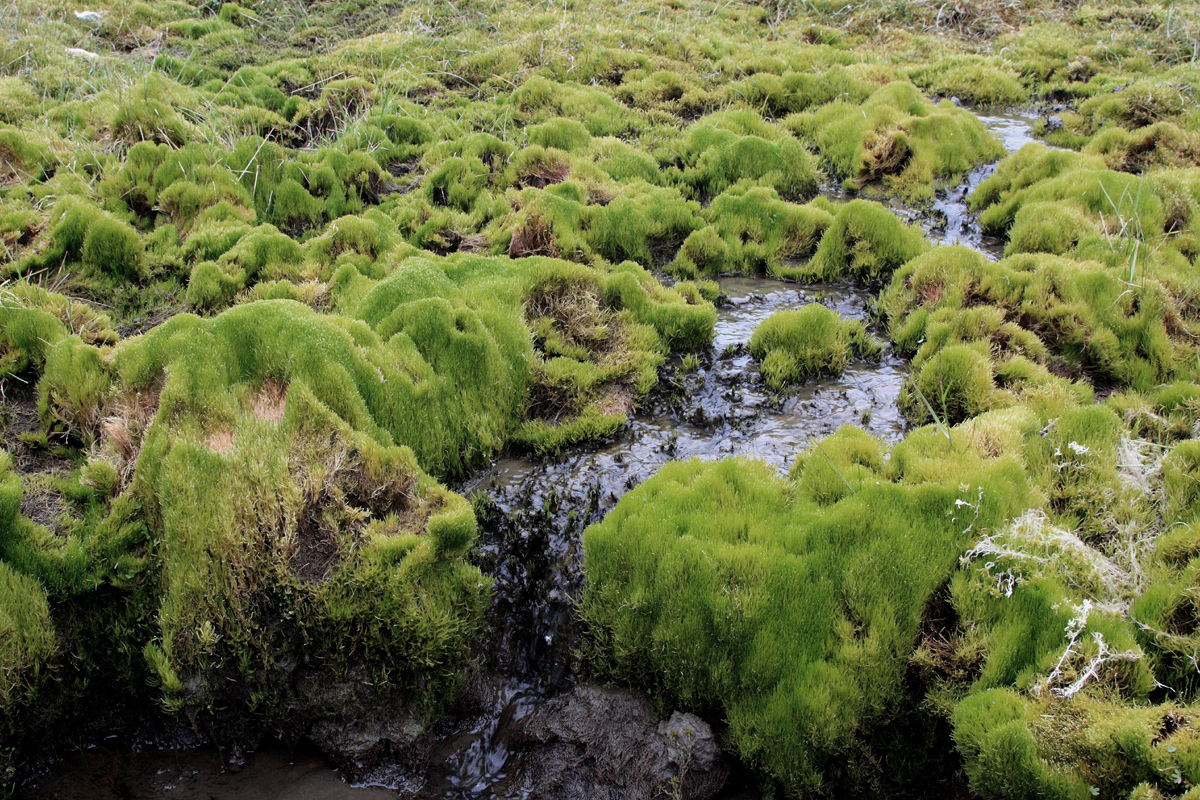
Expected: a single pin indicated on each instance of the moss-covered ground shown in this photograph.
(272, 274)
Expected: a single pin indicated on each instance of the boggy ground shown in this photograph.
(273, 276)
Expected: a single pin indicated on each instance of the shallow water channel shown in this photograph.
(533, 512)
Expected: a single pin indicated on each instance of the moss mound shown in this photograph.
(899, 138)
(1075, 317)
(953, 385)
(774, 605)
(865, 241)
(795, 345)
(27, 643)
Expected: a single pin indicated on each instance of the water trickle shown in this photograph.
(949, 220)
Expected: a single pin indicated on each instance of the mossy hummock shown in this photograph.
(803, 343)
(788, 607)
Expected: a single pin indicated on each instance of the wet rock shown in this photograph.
(609, 744)
(1054, 123)
(368, 740)
(358, 746)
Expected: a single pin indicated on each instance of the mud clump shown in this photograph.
(595, 742)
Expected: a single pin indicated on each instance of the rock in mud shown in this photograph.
(596, 743)
(369, 743)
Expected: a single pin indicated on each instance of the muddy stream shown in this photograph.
(532, 514)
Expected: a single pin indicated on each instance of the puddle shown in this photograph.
(723, 409)
(114, 771)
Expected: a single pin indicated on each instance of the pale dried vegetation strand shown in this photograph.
(1111, 579)
(123, 429)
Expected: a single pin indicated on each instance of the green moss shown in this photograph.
(622, 162)
(1142, 103)
(32, 320)
(73, 389)
(838, 466)
(211, 288)
(1017, 747)
(1077, 311)
(752, 232)
(790, 618)
(1165, 414)
(715, 157)
(1048, 227)
(562, 134)
(296, 170)
(18, 101)
(1001, 752)
(28, 643)
(148, 119)
(864, 241)
(1163, 144)
(956, 384)
(21, 157)
(795, 91)
(1032, 163)
(970, 78)
(898, 137)
(799, 344)
(1100, 214)
(113, 248)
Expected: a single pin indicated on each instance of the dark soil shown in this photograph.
(18, 415)
(317, 548)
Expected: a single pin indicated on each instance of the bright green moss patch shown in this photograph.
(899, 138)
(1015, 747)
(1163, 144)
(1140, 226)
(715, 157)
(971, 79)
(955, 384)
(865, 241)
(790, 617)
(1080, 313)
(27, 639)
(752, 232)
(796, 345)
(342, 530)
(32, 319)
(599, 338)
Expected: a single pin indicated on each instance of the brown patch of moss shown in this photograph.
(534, 238)
(885, 152)
(269, 402)
(220, 441)
(124, 427)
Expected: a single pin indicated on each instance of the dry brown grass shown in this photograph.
(575, 313)
(931, 293)
(534, 238)
(342, 492)
(124, 427)
(474, 244)
(617, 399)
(546, 174)
(885, 152)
